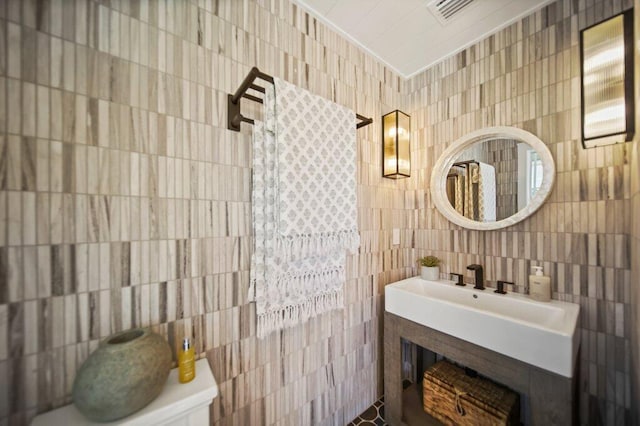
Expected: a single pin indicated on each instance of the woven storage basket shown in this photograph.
(454, 398)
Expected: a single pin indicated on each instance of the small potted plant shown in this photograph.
(430, 268)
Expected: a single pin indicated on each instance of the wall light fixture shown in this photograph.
(606, 58)
(396, 152)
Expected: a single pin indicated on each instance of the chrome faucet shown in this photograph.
(479, 282)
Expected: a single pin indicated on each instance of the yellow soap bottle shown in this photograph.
(186, 362)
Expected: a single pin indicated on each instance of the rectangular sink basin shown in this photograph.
(538, 333)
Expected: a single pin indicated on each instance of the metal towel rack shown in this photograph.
(465, 164)
(235, 117)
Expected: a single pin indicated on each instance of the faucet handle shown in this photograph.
(459, 280)
(500, 289)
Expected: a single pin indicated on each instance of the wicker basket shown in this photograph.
(455, 398)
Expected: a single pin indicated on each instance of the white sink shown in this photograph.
(538, 333)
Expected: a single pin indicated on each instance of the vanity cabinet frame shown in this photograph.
(552, 397)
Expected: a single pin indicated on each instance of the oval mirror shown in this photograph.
(492, 178)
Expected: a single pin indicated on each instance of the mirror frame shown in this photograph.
(448, 157)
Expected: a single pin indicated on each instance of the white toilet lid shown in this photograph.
(175, 401)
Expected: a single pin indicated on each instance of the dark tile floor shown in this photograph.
(373, 415)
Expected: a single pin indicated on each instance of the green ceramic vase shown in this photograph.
(126, 372)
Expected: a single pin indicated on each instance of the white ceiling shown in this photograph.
(406, 36)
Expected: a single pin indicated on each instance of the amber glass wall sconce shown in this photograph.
(606, 71)
(396, 152)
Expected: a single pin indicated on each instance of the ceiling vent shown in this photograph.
(446, 10)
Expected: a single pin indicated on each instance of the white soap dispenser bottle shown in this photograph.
(540, 286)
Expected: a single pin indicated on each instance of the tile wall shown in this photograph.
(125, 202)
(635, 236)
(504, 156)
(635, 277)
(527, 75)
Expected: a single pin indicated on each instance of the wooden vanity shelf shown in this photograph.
(551, 397)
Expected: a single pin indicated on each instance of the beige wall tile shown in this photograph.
(582, 234)
(138, 198)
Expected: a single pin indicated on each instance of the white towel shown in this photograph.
(304, 206)
(487, 193)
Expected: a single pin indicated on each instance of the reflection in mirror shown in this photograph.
(494, 179)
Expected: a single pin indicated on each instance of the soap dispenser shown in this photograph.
(540, 286)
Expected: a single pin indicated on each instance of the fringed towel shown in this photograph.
(304, 206)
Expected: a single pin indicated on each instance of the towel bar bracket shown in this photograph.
(233, 114)
(364, 121)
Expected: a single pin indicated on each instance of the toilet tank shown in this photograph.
(178, 405)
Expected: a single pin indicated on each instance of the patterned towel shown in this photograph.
(460, 193)
(480, 199)
(304, 206)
